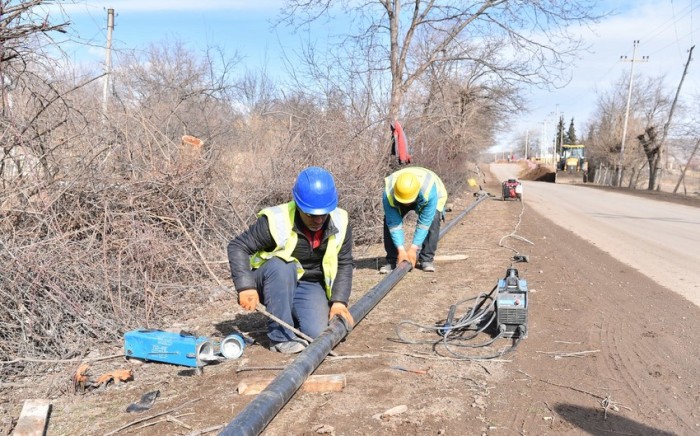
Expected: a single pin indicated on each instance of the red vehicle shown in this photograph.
(512, 189)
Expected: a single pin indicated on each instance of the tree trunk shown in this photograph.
(651, 147)
(687, 164)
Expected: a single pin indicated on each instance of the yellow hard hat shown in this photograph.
(406, 188)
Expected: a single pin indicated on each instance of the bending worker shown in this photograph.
(297, 258)
(420, 190)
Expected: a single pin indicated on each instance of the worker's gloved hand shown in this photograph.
(249, 299)
(341, 310)
(402, 255)
(412, 255)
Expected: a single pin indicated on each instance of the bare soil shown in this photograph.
(608, 351)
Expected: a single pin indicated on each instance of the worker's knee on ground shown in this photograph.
(278, 273)
(310, 309)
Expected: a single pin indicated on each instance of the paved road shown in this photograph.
(660, 239)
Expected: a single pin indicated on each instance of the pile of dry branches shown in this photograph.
(115, 228)
(109, 221)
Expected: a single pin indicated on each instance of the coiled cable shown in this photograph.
(455, 335)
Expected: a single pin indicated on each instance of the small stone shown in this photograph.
(391, 412)
(324, 429)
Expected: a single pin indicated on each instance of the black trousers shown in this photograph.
(427, 250)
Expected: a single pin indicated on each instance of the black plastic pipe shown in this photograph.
(259, 412)
(447, 227)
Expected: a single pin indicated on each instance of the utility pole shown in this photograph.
(543, 142)
(619, 170)
(663, 149)
(108, 62)
(527, 134)
(552, 119)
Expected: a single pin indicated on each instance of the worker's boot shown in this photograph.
(427, 266)
(289, 347)
(386, 269)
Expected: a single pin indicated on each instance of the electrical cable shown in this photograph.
(454, 335)
(498, 355)
(517, 257)
(477, 319)
(442, 329)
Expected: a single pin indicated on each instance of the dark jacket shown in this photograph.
(258, 237)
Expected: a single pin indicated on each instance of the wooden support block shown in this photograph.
(446, 257)
(33, 418)
(315, 383)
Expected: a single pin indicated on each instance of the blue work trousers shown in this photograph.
(301, 304)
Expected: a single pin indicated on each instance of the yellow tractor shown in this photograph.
(572, 166)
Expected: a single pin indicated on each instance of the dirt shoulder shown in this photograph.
(607, 352)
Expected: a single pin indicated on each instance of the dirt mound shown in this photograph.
(539, 174)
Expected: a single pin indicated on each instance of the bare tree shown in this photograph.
(656, 103)
(681, 178)
(24, 27)
(688, 146)
(649, 106)
(102, 226)
(455, 113)
(529, 42)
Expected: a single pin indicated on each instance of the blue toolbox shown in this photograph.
(168, 347)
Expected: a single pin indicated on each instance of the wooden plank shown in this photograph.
(33, 418)
(314, 383)
(446, 257)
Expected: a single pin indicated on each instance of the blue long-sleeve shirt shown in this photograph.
(425, 209)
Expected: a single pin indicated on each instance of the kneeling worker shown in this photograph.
(421, 190)
(297, 257)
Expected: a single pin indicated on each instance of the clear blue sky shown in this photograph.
(666, 30)
(241, 27)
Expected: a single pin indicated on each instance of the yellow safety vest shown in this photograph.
(281, 222)
(426, 178)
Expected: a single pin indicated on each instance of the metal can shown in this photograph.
(232, 346)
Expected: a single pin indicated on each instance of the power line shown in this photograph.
(691, 23)
(661, 28)
(675, 27)
(659, 50)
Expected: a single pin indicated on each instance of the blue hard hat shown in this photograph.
(314, 191)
